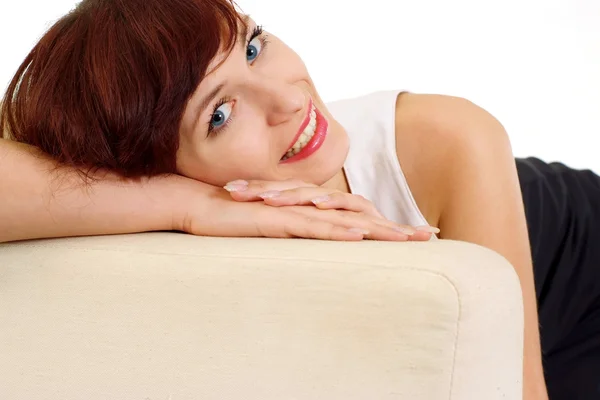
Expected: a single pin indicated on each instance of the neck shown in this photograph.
(338, 182)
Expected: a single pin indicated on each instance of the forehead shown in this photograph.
(243, 28)
(217, 73)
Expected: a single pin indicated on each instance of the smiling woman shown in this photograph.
(196, 91)
(143, 89)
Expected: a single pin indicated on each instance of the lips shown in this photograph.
(303, 126)
(320, 132)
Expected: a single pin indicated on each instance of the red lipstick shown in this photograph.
(315, 142)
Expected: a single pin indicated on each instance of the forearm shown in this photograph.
(39, 201)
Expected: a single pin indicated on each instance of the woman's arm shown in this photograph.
(463, 156)
(39, 201)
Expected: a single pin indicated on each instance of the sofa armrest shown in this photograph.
(172, 316)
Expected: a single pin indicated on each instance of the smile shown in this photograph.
(309, 138)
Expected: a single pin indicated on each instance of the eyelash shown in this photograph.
(258, 30)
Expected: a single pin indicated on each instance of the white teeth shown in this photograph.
(305, 137)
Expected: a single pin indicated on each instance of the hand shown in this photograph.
(221, 216)
(201, 209)
(293, 193)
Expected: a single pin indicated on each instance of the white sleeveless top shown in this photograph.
(372, 168)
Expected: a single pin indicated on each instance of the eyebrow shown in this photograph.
(209, 98)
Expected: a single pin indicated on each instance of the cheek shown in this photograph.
(238, 159)
(249, 153)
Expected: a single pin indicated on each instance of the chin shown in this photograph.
(330, 161)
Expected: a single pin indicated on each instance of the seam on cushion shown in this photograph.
(459, 319)
(169, 253)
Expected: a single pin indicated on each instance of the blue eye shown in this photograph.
(220, 116)
(253, 50)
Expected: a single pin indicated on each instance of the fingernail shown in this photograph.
(239, 182)
(359, 230)
(321, 199)
(406, 230)
(429, 229)
(269, 195)
(235, 188)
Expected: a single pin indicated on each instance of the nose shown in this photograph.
(281, 101)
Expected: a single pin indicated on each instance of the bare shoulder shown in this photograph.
(434, 134)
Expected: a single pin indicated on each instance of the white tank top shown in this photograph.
(372, 168)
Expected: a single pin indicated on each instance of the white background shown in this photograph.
(534, 64)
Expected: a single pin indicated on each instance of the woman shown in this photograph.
(148, 98)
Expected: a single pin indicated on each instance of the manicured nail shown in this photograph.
(269, 195)
(235, 188)
(429, 229)
(239, 182)
(405, 229)
(321, 199)
(359, 230)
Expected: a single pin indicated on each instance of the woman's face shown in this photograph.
(258, 116)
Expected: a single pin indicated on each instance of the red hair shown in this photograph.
(107, 85)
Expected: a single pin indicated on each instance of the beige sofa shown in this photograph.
(166, 316)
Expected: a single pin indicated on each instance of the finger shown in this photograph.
(385, 233)
(423, 233)
(322, 198)
(383, 229)
(420, 236)
(372, 227)
(259, 220)
(304, 226)
(360, 217)
(336, 227)
(414, 235)
(379, 228)
(346, 201)
(300, 196)
(324, 231)
(343, 225)
(241, 190)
